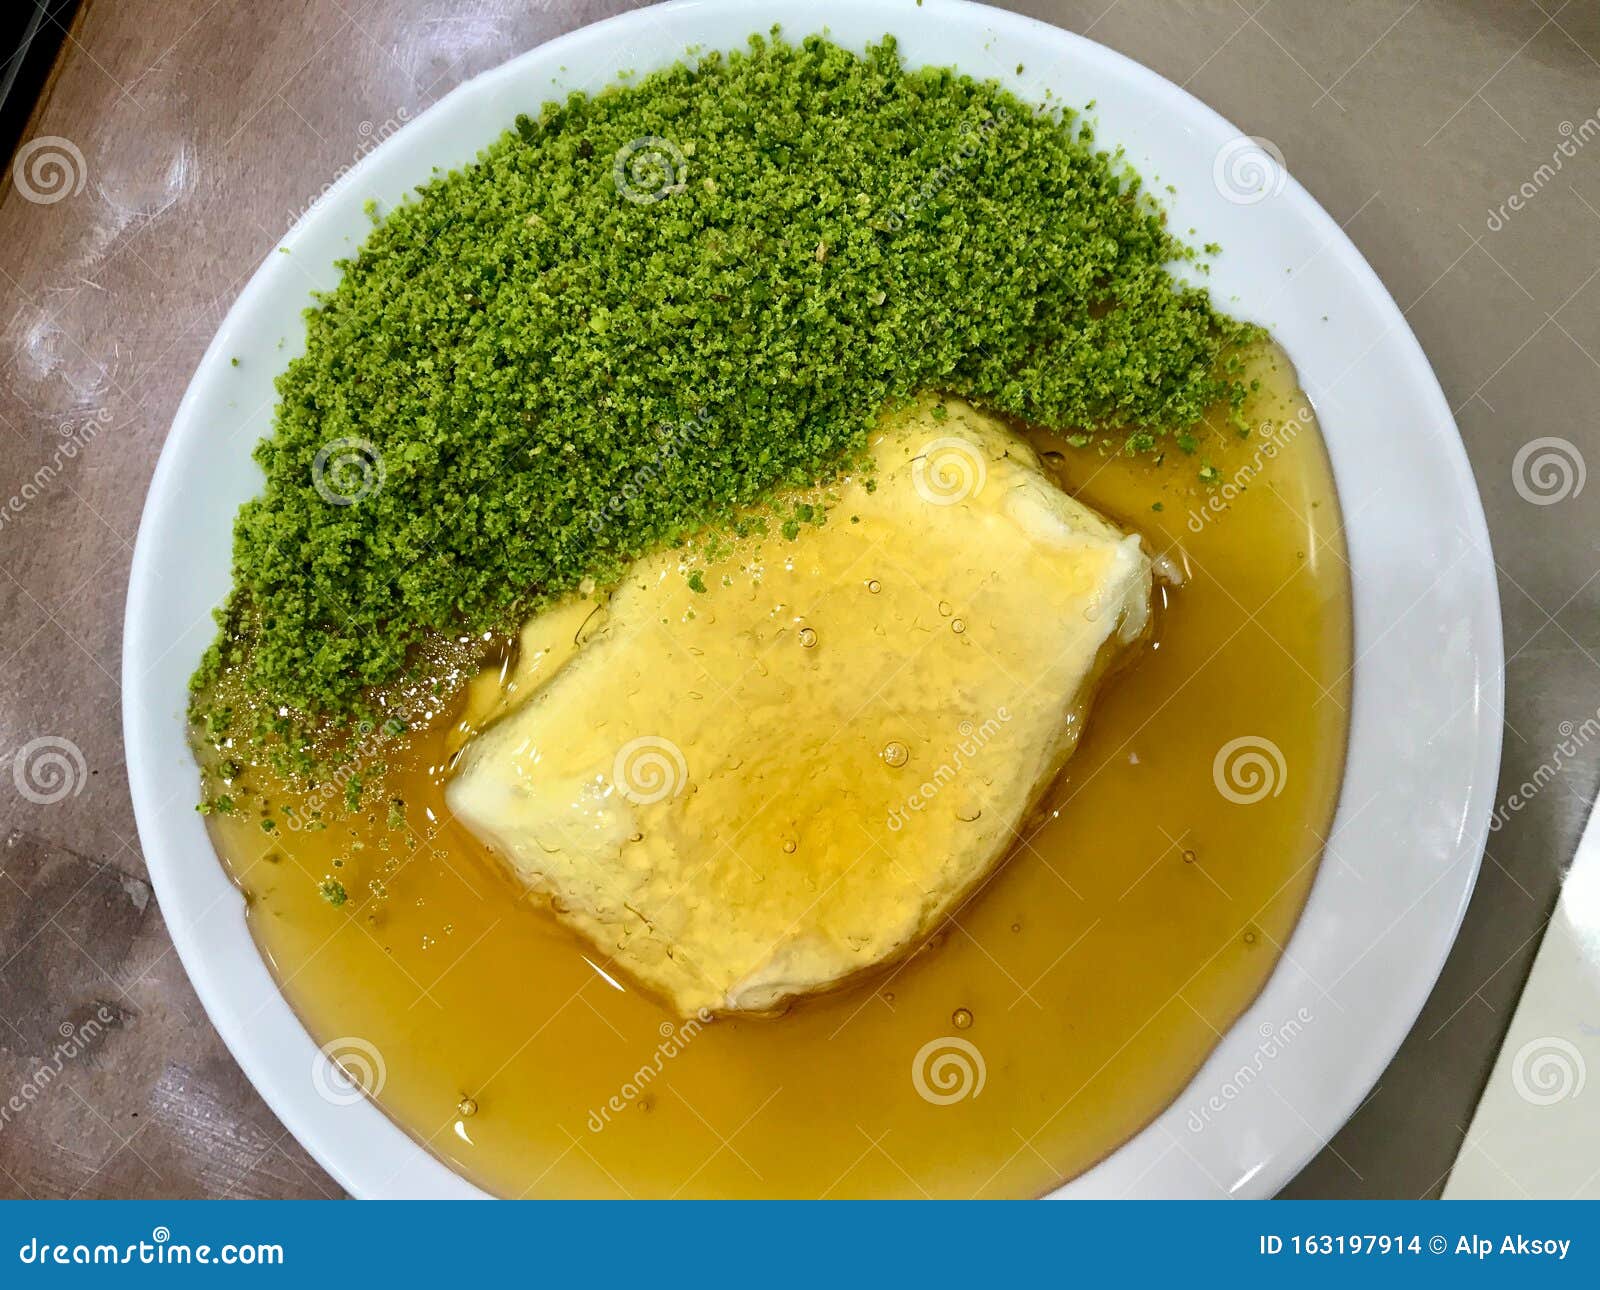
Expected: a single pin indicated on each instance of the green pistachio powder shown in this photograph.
(641, 310)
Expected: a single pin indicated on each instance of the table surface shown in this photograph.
(1457, 141)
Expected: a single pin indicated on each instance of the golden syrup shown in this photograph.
(1063, 1007)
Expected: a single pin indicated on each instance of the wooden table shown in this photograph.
(191, 136)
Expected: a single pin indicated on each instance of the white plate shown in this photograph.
(1425, 729)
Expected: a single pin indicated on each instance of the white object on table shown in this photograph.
(1535, 1130)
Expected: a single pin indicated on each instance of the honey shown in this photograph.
(1063, 1007)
